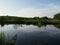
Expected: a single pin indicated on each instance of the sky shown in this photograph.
(29, 8)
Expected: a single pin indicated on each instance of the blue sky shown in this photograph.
(29, 8)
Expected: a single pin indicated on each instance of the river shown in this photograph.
(21, 34)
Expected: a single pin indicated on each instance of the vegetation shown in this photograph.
(2, 38)
(57, 16)
(35, 20)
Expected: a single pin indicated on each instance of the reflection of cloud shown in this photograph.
(49, 28)
(28, 28)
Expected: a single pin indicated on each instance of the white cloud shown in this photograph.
(49, 11)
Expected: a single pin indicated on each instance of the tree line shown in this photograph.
(34, 20)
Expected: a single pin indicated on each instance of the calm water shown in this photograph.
(29, 35)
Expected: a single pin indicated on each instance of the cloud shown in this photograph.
(49, 11)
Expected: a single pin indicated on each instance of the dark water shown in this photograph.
(29, 35)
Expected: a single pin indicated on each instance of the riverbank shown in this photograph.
(23, 20)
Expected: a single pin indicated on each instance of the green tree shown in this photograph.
(57, 16)
(2, 19)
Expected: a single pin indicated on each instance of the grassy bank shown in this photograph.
(22, 20)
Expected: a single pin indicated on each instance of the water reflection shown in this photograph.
(2, 38)
(57, 26)
(13, 41)
(21, 25)
(2, 25)
(19, 34)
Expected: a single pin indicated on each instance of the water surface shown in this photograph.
(29, 34)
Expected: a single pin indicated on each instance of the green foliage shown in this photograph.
(57, 16)
(35, 20)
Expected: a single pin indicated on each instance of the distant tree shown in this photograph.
(57, 16)
(45, 17)
(36, 17)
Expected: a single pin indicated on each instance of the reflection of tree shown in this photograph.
(57, 26)
(45, 26)
(2, 25)
(39, 25)
(13, 41)
(17, 26)
(2, 38)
